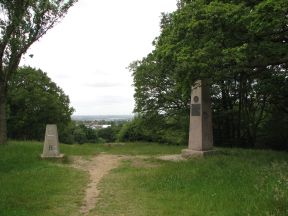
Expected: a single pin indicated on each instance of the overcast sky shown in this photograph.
(88, 52)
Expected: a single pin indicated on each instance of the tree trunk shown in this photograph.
(3, 123)
(240, 98)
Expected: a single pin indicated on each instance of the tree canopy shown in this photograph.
(34, 100)
(22, 22)
(239, 46)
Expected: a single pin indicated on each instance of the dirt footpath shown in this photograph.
(100, 165)
(97, 167)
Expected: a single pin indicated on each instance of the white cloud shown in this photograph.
(87, 54)
(103, 85)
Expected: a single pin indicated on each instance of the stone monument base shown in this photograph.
(48, 157)
(189, 153)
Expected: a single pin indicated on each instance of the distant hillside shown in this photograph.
(101, 117)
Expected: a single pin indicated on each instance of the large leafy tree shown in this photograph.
(34, 100)
(239, 45)
(22, 22)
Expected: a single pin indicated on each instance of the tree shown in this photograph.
(34, 101)
(156, 88)
(22, 22)
(240, 45)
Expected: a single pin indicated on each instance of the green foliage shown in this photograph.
(80, 133)
(240, 47)
(274, 131)
(34, 100)
(22, 23)
(132, 131)
(163, 130)
(108, 134)
(66, 134)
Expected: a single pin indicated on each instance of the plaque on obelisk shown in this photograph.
(51, 143)
(200, 132)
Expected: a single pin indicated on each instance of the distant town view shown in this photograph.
(101, 117)
(100, 121)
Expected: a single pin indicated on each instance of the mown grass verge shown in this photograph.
(133, 148)
(31, 186)
(236, 182)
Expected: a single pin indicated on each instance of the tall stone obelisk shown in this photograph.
(200, 132)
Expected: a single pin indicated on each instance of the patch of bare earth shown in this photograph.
(139, 162)
(175, 158)
(97, 167)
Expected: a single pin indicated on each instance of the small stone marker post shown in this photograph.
(200, 132)
(51, 143)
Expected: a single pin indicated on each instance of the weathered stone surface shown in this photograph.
(51, 143)
(200, 132)
(189, 153)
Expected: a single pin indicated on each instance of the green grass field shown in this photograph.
(31, 186)
(235, 182)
